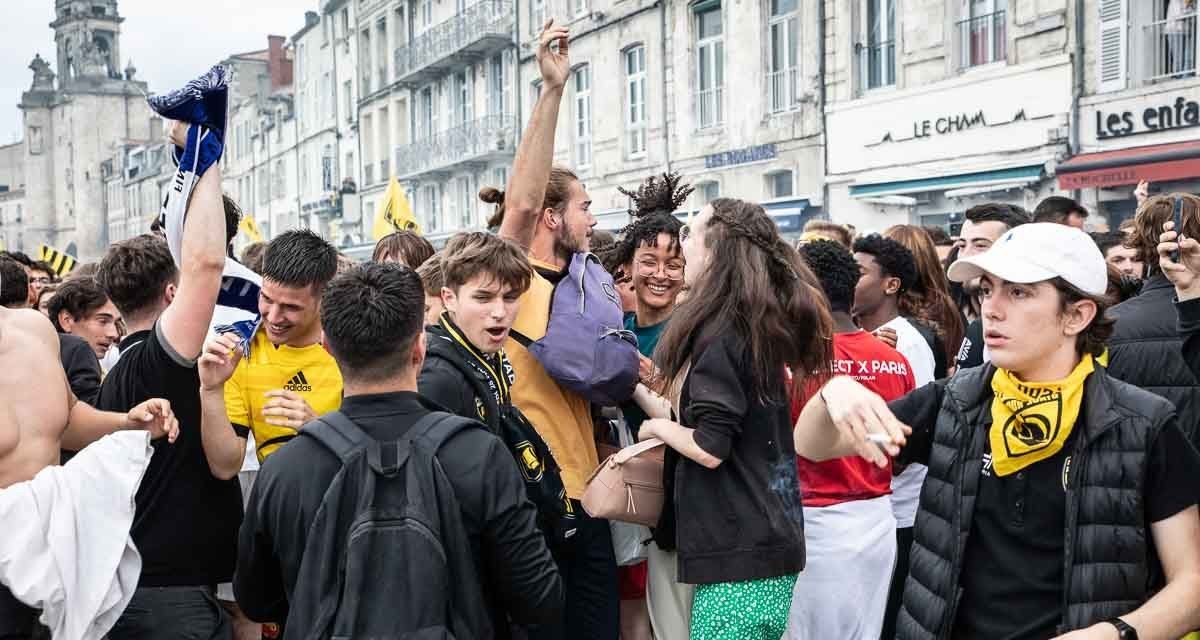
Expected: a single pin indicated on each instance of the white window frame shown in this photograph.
(710, 97)
(783, 42)
(635, 100)
(464, 197)
(462, 100)
(973, 10)
(433, 207)
(425, 11)
(581, 79)
(878, 45)
(537, 17)
(773, 182)
(499, 84)
(702, 192)
(579, 8)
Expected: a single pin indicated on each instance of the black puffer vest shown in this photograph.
(1109, 566)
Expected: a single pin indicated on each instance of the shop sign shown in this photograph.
(740, 156)
(1154, 118)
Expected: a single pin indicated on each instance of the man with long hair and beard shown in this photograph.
(754, 310)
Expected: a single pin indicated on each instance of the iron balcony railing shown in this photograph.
(481, 28)
(1172, 45)
(876, 65)
(466, 142)
(709, 107)
(783, 89)
(983, 39)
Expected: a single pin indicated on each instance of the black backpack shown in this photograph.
(387, 554)
(543, 478)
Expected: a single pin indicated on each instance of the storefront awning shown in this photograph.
(1008, 176)
(1155, 163)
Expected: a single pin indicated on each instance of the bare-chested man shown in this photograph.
(39, 416)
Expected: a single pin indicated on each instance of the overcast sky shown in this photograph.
(168, 44)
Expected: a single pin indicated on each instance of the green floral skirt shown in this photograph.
(753, 610)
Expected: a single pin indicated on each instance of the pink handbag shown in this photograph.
(628, 485)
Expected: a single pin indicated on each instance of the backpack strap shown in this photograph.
(338, 433)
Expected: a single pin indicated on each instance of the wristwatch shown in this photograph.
(1124, 631)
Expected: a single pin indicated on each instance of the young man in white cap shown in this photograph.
(1059, 501)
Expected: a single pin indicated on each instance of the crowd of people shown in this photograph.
(901, 434)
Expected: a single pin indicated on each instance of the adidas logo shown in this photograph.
(298, 383)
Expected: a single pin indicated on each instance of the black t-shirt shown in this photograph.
(186, 522)
(1012, 573)
(970, 353)
(81, 366)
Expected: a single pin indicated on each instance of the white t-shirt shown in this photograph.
(906, 487)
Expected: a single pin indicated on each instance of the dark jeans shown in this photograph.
(173, 613)
(904, 540)
(589, 573)
(17, 621)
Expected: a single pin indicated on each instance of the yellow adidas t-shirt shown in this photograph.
(310, 372)
(561, 417)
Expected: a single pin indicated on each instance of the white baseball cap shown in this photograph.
(1036, 252)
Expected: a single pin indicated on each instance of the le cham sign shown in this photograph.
(1181, 114)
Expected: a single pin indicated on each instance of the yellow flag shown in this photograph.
(393, 213)
(249, 227)
(59, 261)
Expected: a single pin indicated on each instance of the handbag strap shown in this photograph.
(628, 453)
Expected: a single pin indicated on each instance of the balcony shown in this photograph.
(876, 65)
(1172, 47)
(476, 141)
(983, 40)
(482, 29)
(709, 108)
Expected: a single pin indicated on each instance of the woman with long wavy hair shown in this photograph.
(733, 511)
(929, 301)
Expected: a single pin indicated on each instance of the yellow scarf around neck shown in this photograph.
(1032, 420)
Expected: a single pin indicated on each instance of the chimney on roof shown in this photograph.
(279, 65)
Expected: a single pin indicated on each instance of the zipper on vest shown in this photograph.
(967, 437)
(1075, 471)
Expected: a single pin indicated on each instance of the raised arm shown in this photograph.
(837, 420)
(186, 321)
(531, 168)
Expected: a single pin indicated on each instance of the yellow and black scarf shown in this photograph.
(1032, 420)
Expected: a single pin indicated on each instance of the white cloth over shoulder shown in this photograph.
(66, 548)
(906, 487)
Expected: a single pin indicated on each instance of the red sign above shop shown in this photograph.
(1156, 163)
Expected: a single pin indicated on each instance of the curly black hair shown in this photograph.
(895, 260)
(835, 267)
(655, 203)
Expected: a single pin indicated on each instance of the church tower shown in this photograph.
(87, 34)
(76, 121)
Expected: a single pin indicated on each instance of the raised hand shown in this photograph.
(218, 361)
(555, 65)
(1185, 274)
(887, 335)
(156, 417)
(864, 418)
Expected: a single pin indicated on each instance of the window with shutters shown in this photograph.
(1114, 32)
